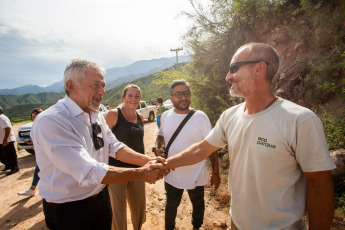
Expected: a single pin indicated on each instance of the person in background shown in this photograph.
(128, 127)
(107, 106)
(72, 145)
(160, 110)
(32, 190)
(8, 153)
(280, 166)
(194, 177)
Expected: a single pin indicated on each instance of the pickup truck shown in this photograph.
(149, 112)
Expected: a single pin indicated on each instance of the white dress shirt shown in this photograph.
(70, 167)
(5, 123)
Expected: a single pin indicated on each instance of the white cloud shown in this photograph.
(38, 33)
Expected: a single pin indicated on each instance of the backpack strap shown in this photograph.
(177, 131)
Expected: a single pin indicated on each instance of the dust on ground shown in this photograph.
(18, 212)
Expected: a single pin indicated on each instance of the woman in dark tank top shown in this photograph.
(128, 127)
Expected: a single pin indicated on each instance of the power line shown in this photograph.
(176, 51)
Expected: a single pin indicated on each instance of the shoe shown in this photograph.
(6, 168)
(28, 192)
(13, 171)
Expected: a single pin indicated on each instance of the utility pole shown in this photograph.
(176, 51)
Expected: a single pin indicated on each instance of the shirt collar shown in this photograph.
(76, 110)
(72, 106)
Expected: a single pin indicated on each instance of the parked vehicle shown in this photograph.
(149, 112)
(23, 137)
(168, 104)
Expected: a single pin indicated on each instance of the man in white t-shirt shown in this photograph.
(8, 153)
(280, 165)
(194, 177)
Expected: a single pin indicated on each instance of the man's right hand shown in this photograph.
(151, 175)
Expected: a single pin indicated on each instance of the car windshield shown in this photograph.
(167, 102)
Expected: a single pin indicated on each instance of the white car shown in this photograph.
(167, 104)
(24, 140)
(149, 112)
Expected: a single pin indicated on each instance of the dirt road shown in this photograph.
(17, 212)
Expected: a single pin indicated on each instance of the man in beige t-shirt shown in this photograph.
(279, 160)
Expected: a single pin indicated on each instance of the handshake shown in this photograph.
(155, 169)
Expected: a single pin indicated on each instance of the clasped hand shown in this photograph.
(155, 170)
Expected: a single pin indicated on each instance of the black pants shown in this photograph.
(9, 155)
(174, 196)
(90, 213)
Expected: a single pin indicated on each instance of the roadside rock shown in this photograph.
(338, 158)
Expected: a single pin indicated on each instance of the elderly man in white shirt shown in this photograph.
(72, 144)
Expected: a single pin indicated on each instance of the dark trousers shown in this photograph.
(174, 196)
(9, 155)
(90, 213)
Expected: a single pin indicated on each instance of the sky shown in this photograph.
(38, 38)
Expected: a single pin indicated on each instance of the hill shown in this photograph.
(141, 69)
(149, 91)
(11, 101)
(20, 106)
(113, 76)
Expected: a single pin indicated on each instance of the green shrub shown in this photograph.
(334, 129)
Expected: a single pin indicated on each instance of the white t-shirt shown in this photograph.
(5, 123)
(195, 130)
(268, 152)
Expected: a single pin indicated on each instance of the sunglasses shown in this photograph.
(236, 65)
(97, 141)
(181, 94)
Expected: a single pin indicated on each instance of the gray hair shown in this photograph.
(178, 82)
(75, 71)
(264, 52)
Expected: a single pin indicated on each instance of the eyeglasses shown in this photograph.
(180, 94)
(236, 65)
(97, 141)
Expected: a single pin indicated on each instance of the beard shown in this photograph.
(182, 107)
(242, 88)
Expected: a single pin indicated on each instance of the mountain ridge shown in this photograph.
(113, 76)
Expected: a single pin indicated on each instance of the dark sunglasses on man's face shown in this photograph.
(97, 141)
(236, 65)
(180, 94)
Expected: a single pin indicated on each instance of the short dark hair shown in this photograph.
(160, 100)
(264, 52)
(1, 110)
(178, 82)
(36, 111)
